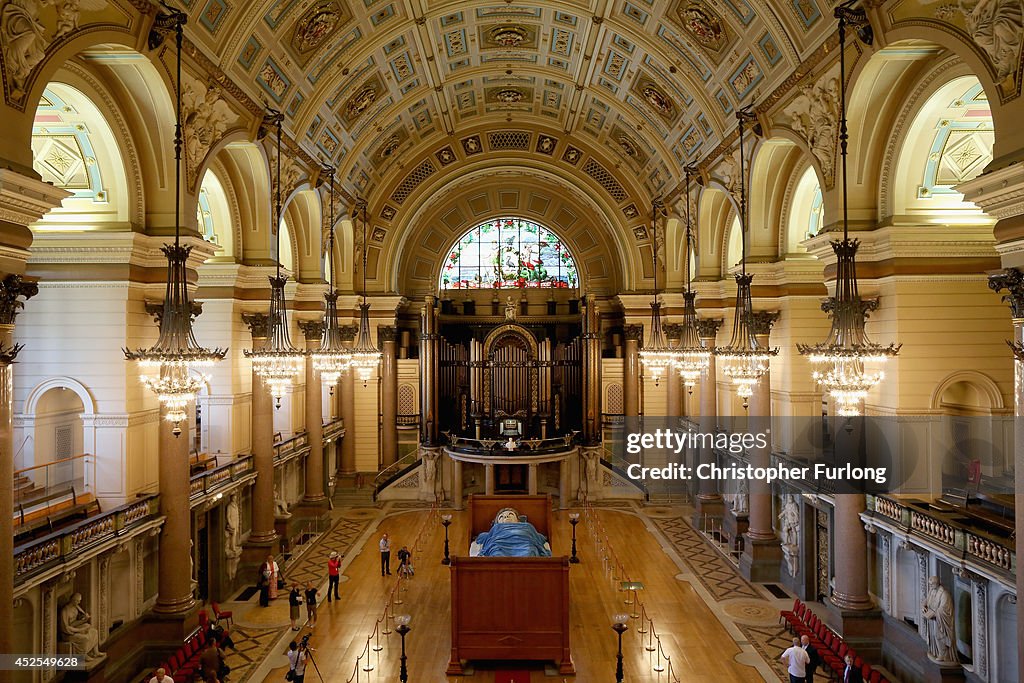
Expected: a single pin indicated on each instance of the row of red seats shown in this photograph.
(829, 645)
(183, 665)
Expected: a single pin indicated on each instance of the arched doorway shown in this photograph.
(58, 437)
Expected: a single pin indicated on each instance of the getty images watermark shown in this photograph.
(671, 442)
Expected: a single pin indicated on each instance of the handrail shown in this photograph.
(394, 468)
(62, 545)
(52, 463)
(210, 480)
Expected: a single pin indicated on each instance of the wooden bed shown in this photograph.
(509, 608)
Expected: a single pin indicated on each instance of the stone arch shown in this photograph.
(303, 213)
(804, 203)
(32, 400)
(245, 170)
(774, 163)
(717, 211)
(982, 388)
(216, 198)
(606, 254)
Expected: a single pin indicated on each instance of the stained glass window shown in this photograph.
(508, 253)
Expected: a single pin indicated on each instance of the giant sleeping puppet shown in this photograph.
(510, 536)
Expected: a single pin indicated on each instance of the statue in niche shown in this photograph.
(232, 546)
(510, 310)
(280, 505)
(938, 613)
(592, 466)
(77, 630)
(737, 500)
(789, 534)
(430, 470)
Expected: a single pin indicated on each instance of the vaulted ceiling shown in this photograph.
(645, 86)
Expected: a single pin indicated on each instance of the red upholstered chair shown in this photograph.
(220, 614)
(875, 677)
(843, 649)
(865, 672)
(204, 620)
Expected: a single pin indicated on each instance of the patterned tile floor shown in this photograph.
(259, 629)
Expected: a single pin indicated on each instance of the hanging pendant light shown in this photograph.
(365, 356)
(333, 357)
(692, 357)
(176, 352)
(657, 355)
(744, 360)
(277, 362)
(844, 359)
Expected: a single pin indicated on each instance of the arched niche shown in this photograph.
(214, 216)
(806, 215)
(245, 170)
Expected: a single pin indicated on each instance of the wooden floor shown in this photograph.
(701, 649)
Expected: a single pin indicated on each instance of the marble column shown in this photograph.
(428, 373)
(347, 408)
(1012, 280)
(631, 370)
(532, 480)
(263, 533)
(174, 579)
(709, 506)
(313, 331)
(673, 381)
(850, 554)
(591, 371)
(388, 336)
(23, 201)
(457, 496)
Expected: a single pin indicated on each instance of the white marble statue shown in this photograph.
(429, 469)
(938, 614)
(232, 546)
(510, 309)
(789, 534)
(77, 630)
(280, 505)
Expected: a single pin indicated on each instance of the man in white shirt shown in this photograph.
(385, 555)
(796, 660)
(161, 677)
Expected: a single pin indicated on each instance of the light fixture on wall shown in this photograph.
(365, 356)
(333, 357)
(693, 357)
(657, 356)
(843, 360)
(744, 360)
(277, 361)
(176, 351)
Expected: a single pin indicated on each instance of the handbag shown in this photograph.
(280, 583)
(290, 676)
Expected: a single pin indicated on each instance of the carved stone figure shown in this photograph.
(737, 500)
(593, 463)
(290, 172)
(789, 534)
(205, 117)
(232, 546)
(77, 630)
(430, 469)
(280, 505)
(728, 172)
(510, 309)
(67, 14)
(938, 614)
(23, 37)
(814, 116)
(996, 26)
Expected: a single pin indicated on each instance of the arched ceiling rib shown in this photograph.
(653, 81)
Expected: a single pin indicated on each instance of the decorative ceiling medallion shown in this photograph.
(388, 212)
(390, 146)
(360, 102)
(657, 99)
(546, 144)
(315, 26)
(509, 36)
(472, 145)
(640, 233)
(445, 155)
(631, 211)
(627, 146)
(378, 234)
(571, 155)
(702, 24)
(509, 96)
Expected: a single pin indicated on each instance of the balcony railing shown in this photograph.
(409, 421)
(334, 429)
(42, 486)
(62, 546)
(292, 446)
(960, 541)
(211, 480)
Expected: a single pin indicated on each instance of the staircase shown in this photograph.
(24, 488)
(347, 495)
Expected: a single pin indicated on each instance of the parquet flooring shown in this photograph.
(698, 633)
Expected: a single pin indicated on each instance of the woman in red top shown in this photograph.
(333, 576)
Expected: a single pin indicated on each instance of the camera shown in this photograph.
(304, 643)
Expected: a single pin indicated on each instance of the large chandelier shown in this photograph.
(744, 360)
(657, 355)
(277, 362)
(176, 351)
(333, 357)
(692, 357)
(844, 359)
(365, 356)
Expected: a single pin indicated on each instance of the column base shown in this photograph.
(761, 561)
(174, 607)
(861, 629)
(708, 513)
(264, 540)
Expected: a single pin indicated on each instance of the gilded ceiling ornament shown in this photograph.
(509, 36)
(701, 22)
(315, 26)
(657, 99)
(361, 101)
(509, 96)
(389, 146)
(627, 145)
(814, 116)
